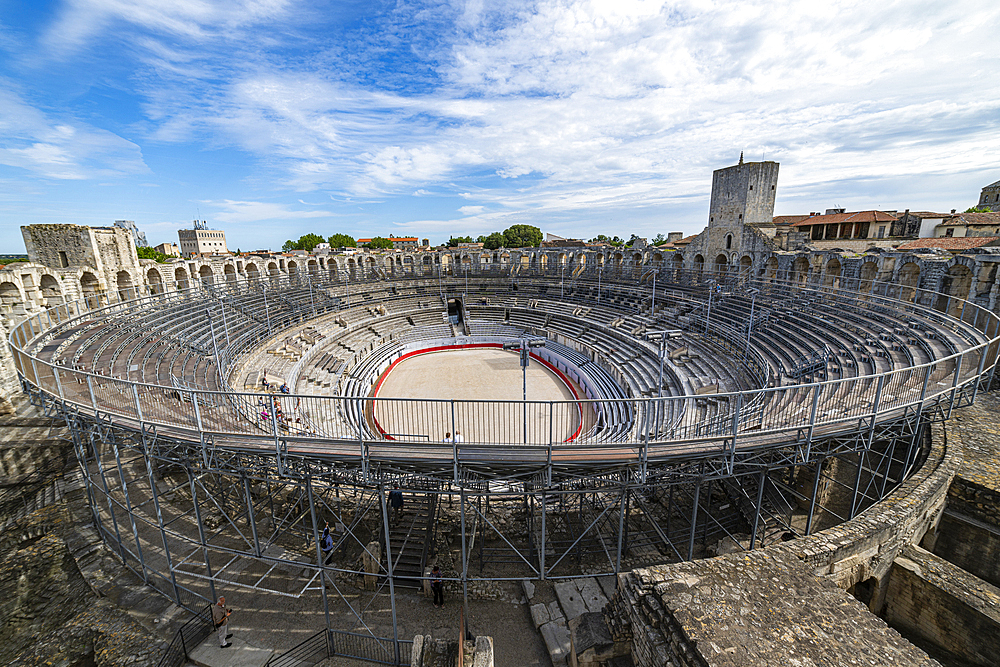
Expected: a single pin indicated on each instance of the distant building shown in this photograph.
(962, 225)
(138, 237)
(168, 249)
(202, 241)
(990, 197)
(553, 241)
(404, 242)
(470, 246)
(953, 244)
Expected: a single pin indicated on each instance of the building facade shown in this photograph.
(198, 241)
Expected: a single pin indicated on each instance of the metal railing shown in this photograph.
(187, 638)
(332, 643)
(352, 427)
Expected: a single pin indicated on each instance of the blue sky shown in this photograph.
(274, 118)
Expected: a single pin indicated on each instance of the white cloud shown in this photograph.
(471, 210)
(57, 149)
(254, 211)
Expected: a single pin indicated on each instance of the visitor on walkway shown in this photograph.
(458, 437)
(220, 617)
(447, 437)
(264, 382)
(396, 503)
(283, 388)
(437, 586)
(326, 544)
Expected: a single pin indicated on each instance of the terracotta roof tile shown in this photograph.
(857, 216)
(961, 219)
(950, 243)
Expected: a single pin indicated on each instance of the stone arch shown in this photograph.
(496, 258)
(446, 263)
(544, 260)
(561, 257)
(230, 273)
(206, 275)
(771, 269)
(581, 259)
(253, 274)
(272, 269)
(956, 283)
(699, 264)
(352, 267)
(677, 264)
(867, 275)
(155, 281)
(504, 258)
(51, 290)
(909, 278)
(637, 258)
(800, 270)
(721, 264)
(985, 278)
(658, 258)
(746, 261)
(126, 290)
(525, 261)
(484, 258)
(312, 267)
(428, 265)
(831, 273)
(293, 268)
(10, 296)
(180, 277)
(729, 241)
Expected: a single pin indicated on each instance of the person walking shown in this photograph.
(396, 503)
(220, 617)
(437, 587)
(326, 544)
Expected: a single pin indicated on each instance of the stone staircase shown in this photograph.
(410, 539)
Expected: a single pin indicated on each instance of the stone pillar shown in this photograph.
(372, 558)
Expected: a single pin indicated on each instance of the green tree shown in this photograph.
(455, 240)
(342, 241)
(493, 241)
(289, 245)
(660, 239)
(522, 236)
(379, 242)
(148, 253)
(613, 241)
(308, 241)
(977, 209)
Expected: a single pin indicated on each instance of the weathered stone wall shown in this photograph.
(972, 545)
(943, 604)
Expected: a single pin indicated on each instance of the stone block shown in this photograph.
(590, 640)
(570, 599)
(591, 593)
(529, 589)
(556, 636)
(539, 614)
(484, 652)
(417, 651)
(555, 611)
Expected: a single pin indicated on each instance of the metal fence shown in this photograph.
(331, 643)
(187, 638)
(631, 430)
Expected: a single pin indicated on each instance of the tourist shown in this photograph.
(283, 388)
(326, 544)
(437, 586)
(220, 618)
(447, 437)
(264, 382)
(458, 437)
(396, 503)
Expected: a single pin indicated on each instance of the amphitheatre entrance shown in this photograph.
(474, 379)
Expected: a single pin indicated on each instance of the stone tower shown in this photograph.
(742, 202)
(990, 197)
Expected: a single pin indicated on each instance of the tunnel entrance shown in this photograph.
(455, 310)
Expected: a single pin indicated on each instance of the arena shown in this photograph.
(661, 411)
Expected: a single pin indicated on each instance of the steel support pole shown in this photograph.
(857, 485)
(319, 556)
(159, 519)
(621, 527)
(251, 517)
(756, 511)
(465, 558)
(111, 505)
(954, 385)
(128, 508)
(694, 518)
(201, 534)
(815, 493)
(542, 547)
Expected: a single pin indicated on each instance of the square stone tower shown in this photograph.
(743, 194)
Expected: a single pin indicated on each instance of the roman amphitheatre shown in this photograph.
(726, 454)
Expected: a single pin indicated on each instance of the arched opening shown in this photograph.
(125, 289)
(909, 278)
(987, 276)
(253, 274)
(864, 591)
(867, 276)
(51, 291)
(484, 259)
(544, 261)
(658, 258)
(699, 266)
(371, 264)
(745, 263)
(428, 265)
(272, 269)
(504, 258)
(562, 259)
(230, 273)
(956, 283)
(677, 263)
(155, 281)
(180, 277)
(831, 274)
(800, 270)
(352, 268)
(600, 261)
(206, 275)
(313, 268)
(729, 241)
(721, 264)
(617, 260)
(581, 259)
(771, 269)
(293, 269)
(637, 258)
(10, 296)
(446, 262)
(496, 258)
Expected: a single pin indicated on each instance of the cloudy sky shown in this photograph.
(273, 118)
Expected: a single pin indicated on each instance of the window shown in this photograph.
(63, 260)
(950, 232)
(881, 231)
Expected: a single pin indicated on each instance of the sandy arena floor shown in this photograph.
(476, 375)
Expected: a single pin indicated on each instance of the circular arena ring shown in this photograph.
(704, 411)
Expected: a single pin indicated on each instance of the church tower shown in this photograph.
(743, 194)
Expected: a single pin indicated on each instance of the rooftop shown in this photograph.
(857, 216)
(950, 243)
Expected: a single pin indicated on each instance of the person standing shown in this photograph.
(437, 587)
(220, 617)
(458, 437)
(396, 503)
(326, 544)
(447, 437)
